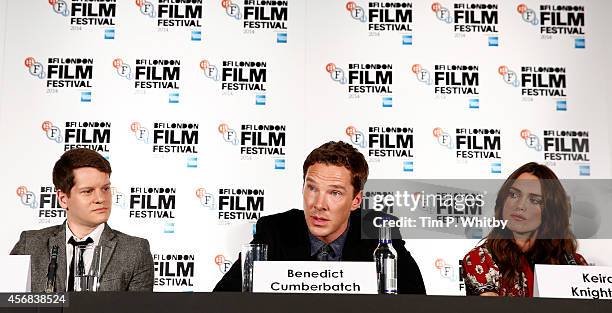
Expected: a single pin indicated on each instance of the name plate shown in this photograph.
(16, 276)
(572, 281)
(314, 277)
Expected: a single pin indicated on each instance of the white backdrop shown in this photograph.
(195, 237)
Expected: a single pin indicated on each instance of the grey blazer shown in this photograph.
(127, 265)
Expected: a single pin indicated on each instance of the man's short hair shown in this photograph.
(340, 153)
(63, 171)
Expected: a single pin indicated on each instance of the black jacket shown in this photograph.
(286, 235)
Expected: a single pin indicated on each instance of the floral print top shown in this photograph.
(481, 274)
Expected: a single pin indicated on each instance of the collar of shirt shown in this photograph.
(336, 245)
(95, 235)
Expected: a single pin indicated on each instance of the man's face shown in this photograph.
(89, 202)
(328, 200)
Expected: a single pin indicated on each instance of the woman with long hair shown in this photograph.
(537, 209)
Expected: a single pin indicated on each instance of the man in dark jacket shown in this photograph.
(329, 227)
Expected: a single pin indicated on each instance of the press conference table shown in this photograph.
(270, 303)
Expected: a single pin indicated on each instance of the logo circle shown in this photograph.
(223, 128)
(117, 63)
(436, 7)
(46, 125)
(204, 64)
(135, 126)
(21, 190)
(350, 6)
(525, 133)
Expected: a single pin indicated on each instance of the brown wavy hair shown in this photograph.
(340, 153)
(554, 241)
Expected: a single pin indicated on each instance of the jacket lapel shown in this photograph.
(299, 249)
(355, 249)
(59, 239)
(106, 241)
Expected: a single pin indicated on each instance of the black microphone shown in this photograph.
(52, 270)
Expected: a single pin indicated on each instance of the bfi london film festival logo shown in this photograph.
(172, 139)
(152, 74)
(88, 13)
(151, 205)
(468, 18)
(45, 206)
(233, 204)
(548, 82)
(451, 272)
(254, 140)
(455, 80)
(239, 76)
(473, 144)
(223, 264)
(563, 146)
(78, 134)
(385, 143)
(174, 270)
(65, 73)
(384, 17)
(178, 15)
(557, 20)
(367, 78)
(256, 15)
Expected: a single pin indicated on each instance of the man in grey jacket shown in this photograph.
(82, 180)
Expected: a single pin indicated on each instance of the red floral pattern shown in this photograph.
(481, 274)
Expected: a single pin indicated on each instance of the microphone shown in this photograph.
(52, 269)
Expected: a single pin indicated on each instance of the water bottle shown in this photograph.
(385, 257)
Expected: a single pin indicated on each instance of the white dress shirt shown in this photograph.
(95, 235)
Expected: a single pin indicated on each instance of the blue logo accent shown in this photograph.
(173, 97)
(86, 96)
(387, 102)
(493, 41)
(260, 99)
(474, 103)
(109, 33)
(279, 164)
(407, 40)
(169, 228)
(580, 43)
(561, 105)
(408, 166)
(585, 170)
(192, 162)
(196, 35)
(281, 38)
(496, 168)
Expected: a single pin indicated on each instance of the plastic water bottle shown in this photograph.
(385, 257)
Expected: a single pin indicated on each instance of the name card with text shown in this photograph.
(572, 281)
(16, 274)
(314, 277)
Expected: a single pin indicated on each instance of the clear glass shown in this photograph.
(250, 253)
(385, 257)
(87, 264)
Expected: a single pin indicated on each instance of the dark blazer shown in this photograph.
(127, 263)
(286, 235)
